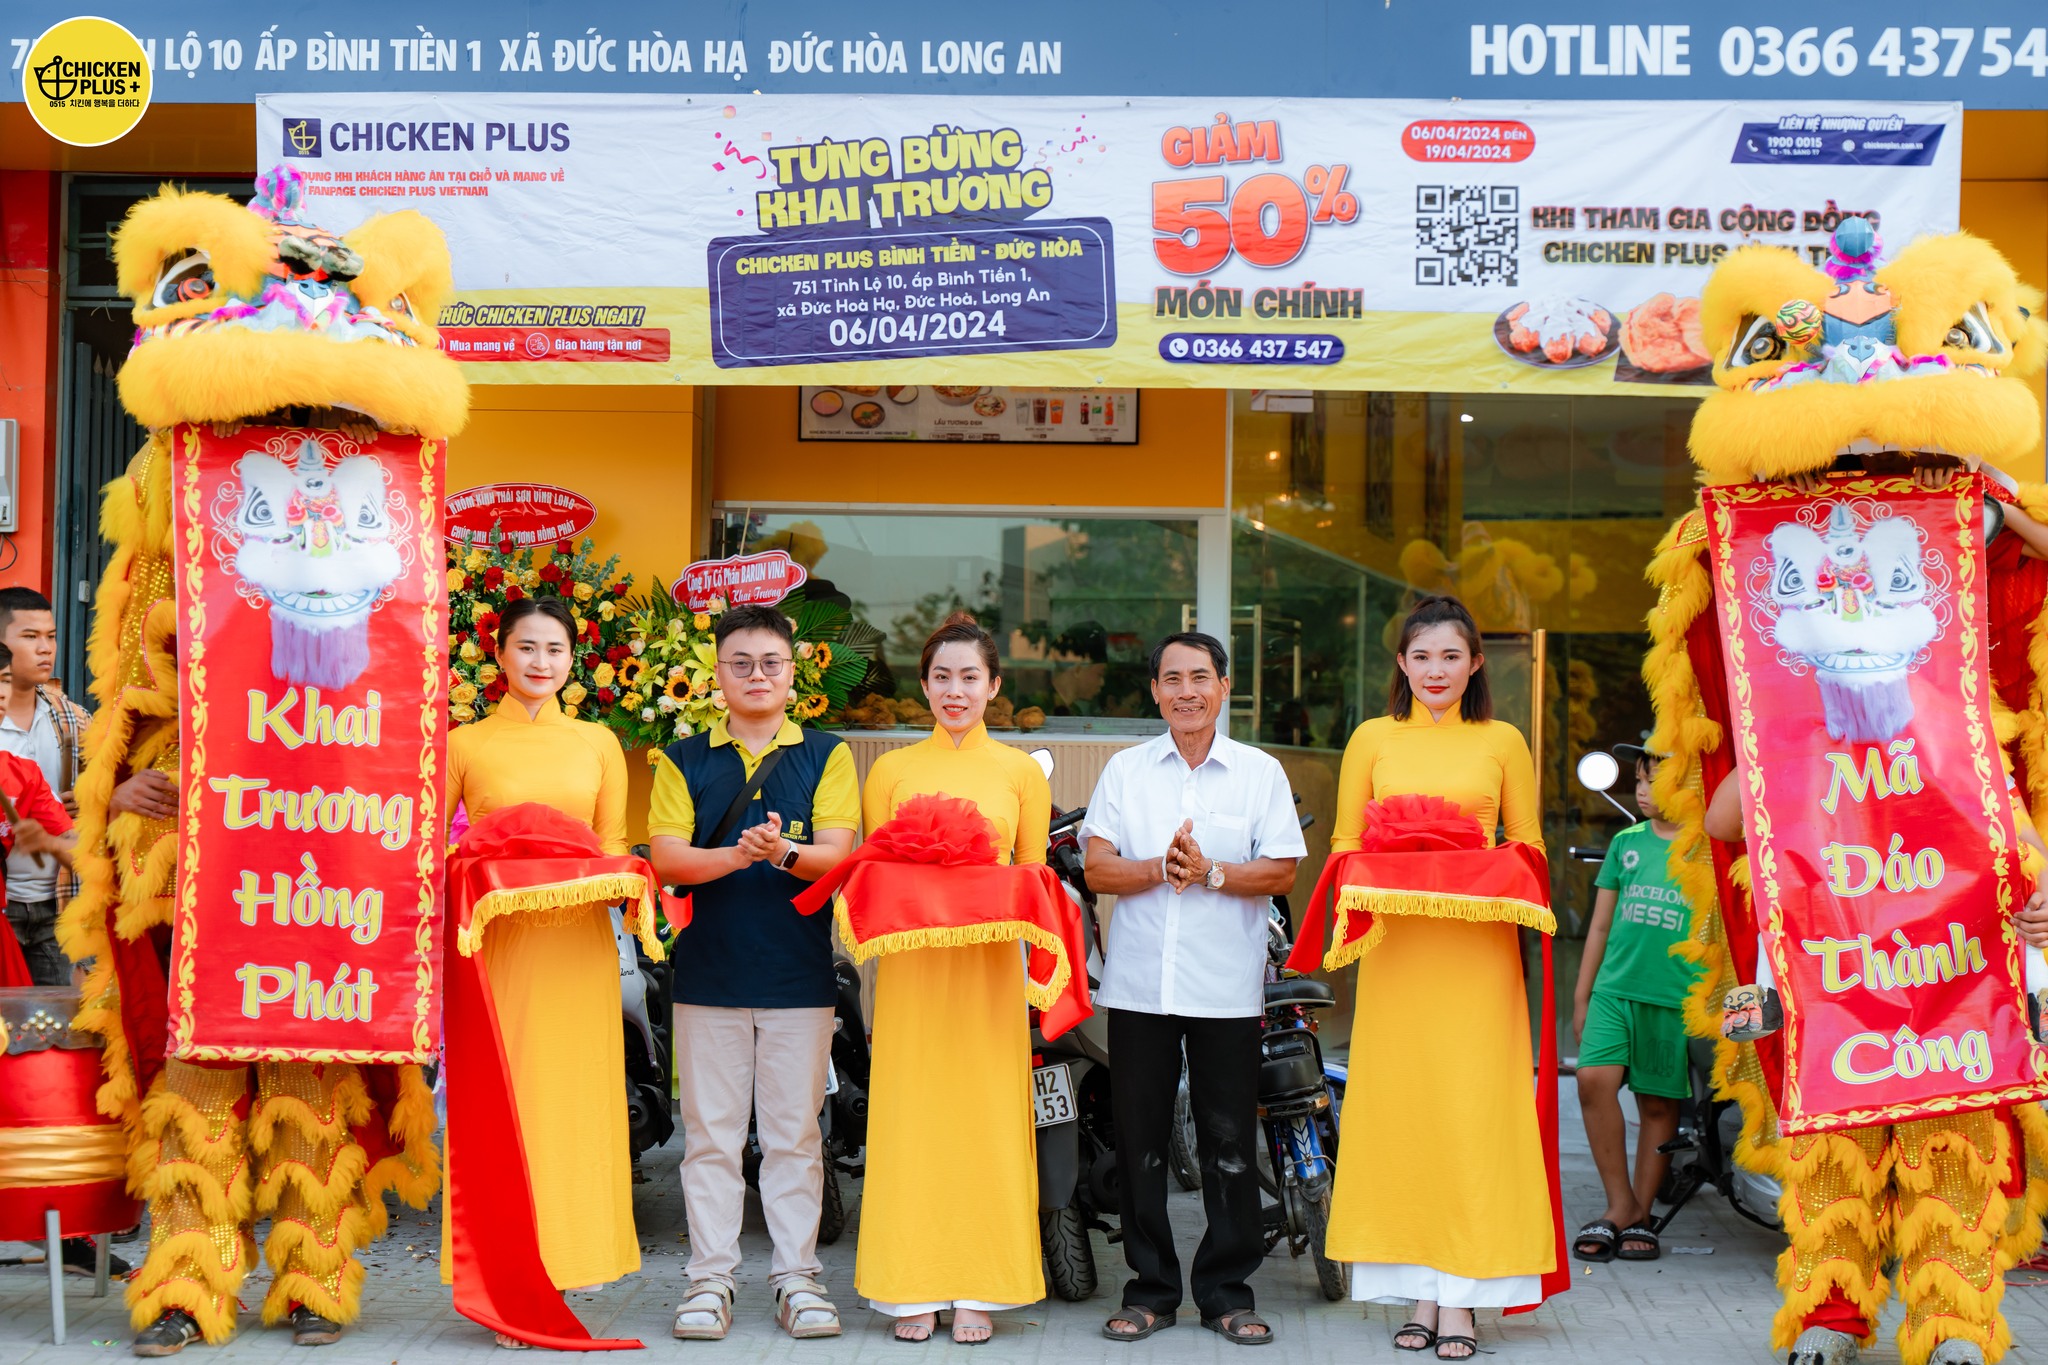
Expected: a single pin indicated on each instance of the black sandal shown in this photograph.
(1232, 1327)
(1603, 1234)
(1641, 1232)
(1144, 1319)
(1415, 1329)
(1470, 1344)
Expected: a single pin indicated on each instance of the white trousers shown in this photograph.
(772, 1064)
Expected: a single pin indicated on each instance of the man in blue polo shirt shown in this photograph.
(744, 816)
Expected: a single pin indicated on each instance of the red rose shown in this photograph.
(496, 687)
(606, 696)
(616, 654)
(513, 592)
(493, 577)
(619, 588)
(590, 662)
(490, 645)
(551, 572)
(590, 633)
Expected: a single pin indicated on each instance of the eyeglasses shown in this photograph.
(743, 667)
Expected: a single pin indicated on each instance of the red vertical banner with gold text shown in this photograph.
(312, 649)
(1883, 854)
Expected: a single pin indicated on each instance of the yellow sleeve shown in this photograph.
(878, 797)
(671, 813)
(610, 823)
(1519, 813)
(836, 802)
(458, 771)
(1034, 811)
(1354, 788)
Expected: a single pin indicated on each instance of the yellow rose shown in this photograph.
(606, 611)
(463, 715)
(462, 694)
(574, 693)
(569, 711)
(477, 559)
(603, 675)
(457, 581)
(530, 579)
(701, 621)
(486, 675)
(584, 592)
(470, 652)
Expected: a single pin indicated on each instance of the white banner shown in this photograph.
(1160, 241)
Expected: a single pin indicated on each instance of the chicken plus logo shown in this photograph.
(86, 81)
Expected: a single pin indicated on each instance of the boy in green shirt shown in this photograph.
(1628, 1013)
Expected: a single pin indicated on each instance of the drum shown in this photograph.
(57, 1151)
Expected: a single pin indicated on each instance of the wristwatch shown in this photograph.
(1215, 875)
(788, 860)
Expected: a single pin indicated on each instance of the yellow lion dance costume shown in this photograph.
(1951, 1203)
(243, 315)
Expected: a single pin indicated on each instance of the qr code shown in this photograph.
(1467, 234)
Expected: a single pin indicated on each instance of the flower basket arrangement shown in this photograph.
(486, 574)
(671, 692)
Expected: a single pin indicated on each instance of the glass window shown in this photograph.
(1075, 604)
(1539, 512)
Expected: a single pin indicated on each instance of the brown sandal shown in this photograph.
(1235, 1327)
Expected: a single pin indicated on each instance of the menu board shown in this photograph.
(965, 412)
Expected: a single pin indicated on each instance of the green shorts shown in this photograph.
(1647, 1040)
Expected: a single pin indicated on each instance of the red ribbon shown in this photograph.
(932, 868)
(500, 1280)
(1427, 844)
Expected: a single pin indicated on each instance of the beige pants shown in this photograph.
(771, 1063)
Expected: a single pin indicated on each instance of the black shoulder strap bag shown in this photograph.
(738, 809)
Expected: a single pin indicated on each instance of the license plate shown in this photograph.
(1052, 1093)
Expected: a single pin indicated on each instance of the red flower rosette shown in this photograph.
(929, 877)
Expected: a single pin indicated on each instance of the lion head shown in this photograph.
(240, 311)
(1924, 357)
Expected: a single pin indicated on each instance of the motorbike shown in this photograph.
(1070, 1080)
(1703, 1151)
(647, 1015)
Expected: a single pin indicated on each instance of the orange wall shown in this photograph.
(28, 365)
(2005, 193)
(1179, 460)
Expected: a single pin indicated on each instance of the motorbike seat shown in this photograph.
(1302, 991)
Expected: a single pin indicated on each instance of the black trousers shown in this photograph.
(1223, 1084)
(35, 928)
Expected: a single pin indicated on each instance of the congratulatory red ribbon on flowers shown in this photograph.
(524, 859)
(312, 688)
(929, 878)
(1423, 856)
(1883, 856)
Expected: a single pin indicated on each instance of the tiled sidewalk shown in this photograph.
(1709, 1308)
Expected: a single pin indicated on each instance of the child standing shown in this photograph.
(1628, 1013)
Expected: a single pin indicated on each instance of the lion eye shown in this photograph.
(1758, 342)
(1974, 331)
(401, 305)
(186, 277)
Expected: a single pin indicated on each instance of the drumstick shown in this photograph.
(14, 818)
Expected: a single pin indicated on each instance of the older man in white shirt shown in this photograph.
(1193, 833)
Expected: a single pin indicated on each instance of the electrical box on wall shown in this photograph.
(10, 472)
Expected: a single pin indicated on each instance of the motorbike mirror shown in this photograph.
(1044, 759)
(1598, 771)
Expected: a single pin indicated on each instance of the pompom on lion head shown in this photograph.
(241, 311)
(1928, 355)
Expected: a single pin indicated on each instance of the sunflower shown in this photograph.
(678, 688)
(824, 655)
(815, 705)
(629, 672)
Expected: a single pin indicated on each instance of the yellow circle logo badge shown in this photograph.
(86, 81)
